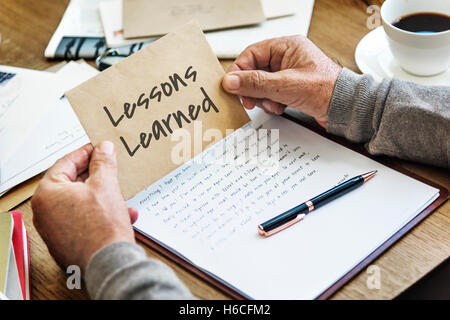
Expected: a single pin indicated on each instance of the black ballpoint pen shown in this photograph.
(297, 213)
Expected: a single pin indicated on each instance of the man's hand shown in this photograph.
(288, 71)
(78, 207)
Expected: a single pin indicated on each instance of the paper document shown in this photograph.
(80, 20)
(225, 43)
(278, 8)
(13, 290)
(80, 33)
(57, 133)
(24, 97)
(287, 17)
(111, 15)
(228, 44)
(142, 18)
(209, 212)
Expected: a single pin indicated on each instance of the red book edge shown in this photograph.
(27, 270)
(20, 245)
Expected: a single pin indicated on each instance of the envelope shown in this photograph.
(19, 194)
(148, 103)
(144, 18)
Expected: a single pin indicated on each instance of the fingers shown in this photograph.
(69, 167)
(250, 103)
(134, 214)
(233, 67)
(103, 165)
(260, 55)
(257, 84)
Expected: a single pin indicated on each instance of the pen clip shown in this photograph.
(266, 234)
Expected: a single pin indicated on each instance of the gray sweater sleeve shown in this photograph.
(123, 271)
(394, 117)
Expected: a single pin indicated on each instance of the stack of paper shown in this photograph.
(14, 257)
(21, 90)
(37, 125)
(89, 27)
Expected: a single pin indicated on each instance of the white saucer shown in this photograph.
(374, 57)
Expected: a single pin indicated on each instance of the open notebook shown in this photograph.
(208, 213)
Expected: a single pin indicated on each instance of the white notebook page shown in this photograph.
(210, 213)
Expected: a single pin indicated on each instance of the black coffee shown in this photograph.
(423, 22)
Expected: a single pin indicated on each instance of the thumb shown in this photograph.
(256, 84)
(103, 164)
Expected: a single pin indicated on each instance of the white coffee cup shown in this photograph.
(422, 54)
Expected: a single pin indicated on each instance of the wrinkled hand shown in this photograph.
(78, 207)
(281, 72)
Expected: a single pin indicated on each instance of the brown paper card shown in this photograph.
(143, 18)
(19, 193)
(132, 100)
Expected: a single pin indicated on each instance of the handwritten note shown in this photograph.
(209, 212)
(212, 201)
(140, 102)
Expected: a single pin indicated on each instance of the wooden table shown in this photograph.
(337, 26)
